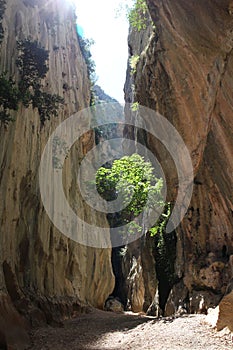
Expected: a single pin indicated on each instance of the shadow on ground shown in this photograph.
(84, 331)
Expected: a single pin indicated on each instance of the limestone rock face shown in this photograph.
(42, 272)
(136, 282)
(201, 301)
(185, 72)
(225, 315)
(225, 318)
(177, 300)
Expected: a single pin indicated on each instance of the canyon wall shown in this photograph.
(185, 72)
(44, 275)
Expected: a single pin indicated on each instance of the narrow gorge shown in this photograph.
(180, 66)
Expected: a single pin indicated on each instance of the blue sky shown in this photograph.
(110, 51)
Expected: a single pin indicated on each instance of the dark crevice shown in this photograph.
(11, 282)
(165, 256)
(120, 287)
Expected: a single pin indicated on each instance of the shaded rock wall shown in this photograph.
(225, 318)
(43, 273)
(185, 73)
(136, 283)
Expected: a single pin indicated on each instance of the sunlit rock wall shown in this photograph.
(43, 274)
(185, 72)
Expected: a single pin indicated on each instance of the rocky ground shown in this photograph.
(99, 330)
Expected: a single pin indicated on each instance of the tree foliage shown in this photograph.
(134, 178)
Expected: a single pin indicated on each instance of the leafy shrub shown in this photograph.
(133, 61)
(9, 97)
(138, 15)
(5, 117)
(162, 222)
(47, 104)
(32, 63)
(135, 106)
(9, 93)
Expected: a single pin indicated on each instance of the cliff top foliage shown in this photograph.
(85, 45)
(136, 12)
(138, 15)
(32, 63)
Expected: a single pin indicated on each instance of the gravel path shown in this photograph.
(106, 330)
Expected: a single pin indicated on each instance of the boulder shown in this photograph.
(114, 305)
(13, 329)
(201, 301)
(177, 300)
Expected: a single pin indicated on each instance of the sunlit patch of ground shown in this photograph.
(106, 330)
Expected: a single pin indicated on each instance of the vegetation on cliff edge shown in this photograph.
(32, 63)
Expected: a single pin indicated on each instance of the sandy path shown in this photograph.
(105, 330)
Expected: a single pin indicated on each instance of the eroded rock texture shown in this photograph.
(225, 313)
(43, 274)
(185, 72)
(139, 276)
